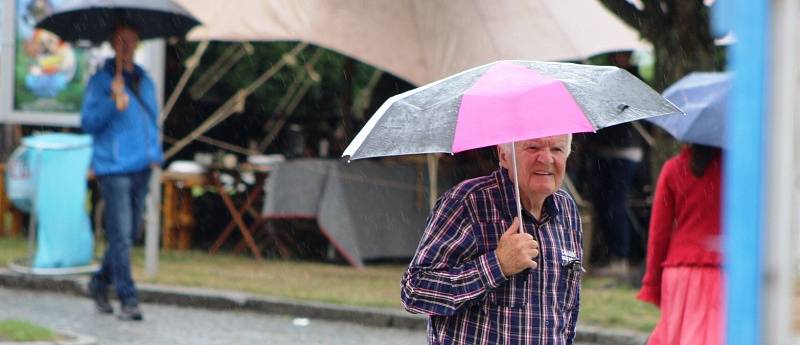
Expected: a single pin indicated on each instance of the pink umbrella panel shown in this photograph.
(512, 103)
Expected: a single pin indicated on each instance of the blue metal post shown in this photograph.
(744, 162)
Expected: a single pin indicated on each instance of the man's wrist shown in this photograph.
(489, 267)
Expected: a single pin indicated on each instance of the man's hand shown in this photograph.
(118, 92)
(516, 251)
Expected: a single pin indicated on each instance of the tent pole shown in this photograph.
(218, 69)
(191, 65)
(237, 101)
(433, 179)
(292, 97)
(282, 121)
(218, 143)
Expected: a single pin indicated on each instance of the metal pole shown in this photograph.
(153, 225)
(153, 200)
(781, 151)
(516, 185)
(744, 165)
(433, 179)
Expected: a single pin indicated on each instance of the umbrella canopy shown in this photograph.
(704, 98)
(94, 20)
(423, 40)
(503, 102)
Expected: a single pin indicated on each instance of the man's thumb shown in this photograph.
(514, 228)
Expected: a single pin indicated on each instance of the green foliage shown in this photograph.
(319, 110)
(12, 248)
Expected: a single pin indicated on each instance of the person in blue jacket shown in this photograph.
(120, 111)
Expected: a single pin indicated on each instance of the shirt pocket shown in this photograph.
(513, 292)
(569, 284)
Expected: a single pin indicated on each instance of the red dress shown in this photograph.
(683, 275)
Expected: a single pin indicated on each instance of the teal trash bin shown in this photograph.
(58, 164)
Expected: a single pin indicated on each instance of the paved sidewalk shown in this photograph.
(172, 325)
(242, 302)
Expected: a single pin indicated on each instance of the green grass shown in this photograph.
(17, 330)
(12, 248)
(374, 286)
(602, 303)
(608, 304)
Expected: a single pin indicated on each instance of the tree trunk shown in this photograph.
(679, 31)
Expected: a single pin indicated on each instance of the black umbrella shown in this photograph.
(94, 20)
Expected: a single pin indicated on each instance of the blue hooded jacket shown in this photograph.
(124, 141)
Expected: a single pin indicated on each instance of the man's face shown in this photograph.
(541, 163)
(124, 41)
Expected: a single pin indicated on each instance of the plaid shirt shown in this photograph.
(455, 277)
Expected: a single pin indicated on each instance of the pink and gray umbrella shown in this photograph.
(505, 102)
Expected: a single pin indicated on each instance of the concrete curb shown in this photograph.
(227, 300)
(602, 336)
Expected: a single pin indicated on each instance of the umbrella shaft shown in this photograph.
(516, 185)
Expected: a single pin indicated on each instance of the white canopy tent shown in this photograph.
(423, 40)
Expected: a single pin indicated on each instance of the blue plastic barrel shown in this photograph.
(59, 163)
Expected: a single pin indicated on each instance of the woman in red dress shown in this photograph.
(684, 274)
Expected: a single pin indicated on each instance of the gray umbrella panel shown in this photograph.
(423, 120)
(607, 95)
(93, 20)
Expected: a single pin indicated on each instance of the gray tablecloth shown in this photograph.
(368, 209)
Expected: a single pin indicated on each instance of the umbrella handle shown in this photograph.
(516, 185)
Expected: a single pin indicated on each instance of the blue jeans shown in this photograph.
(124, 196)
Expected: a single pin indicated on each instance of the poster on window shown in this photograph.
(44, 77)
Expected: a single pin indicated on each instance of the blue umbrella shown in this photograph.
(703, 96)
(94, 20)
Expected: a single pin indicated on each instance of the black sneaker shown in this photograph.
(100, 298)
(130, 312)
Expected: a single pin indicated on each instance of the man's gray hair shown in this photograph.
(507, 146)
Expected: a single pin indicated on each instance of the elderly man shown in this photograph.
(480, 279)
